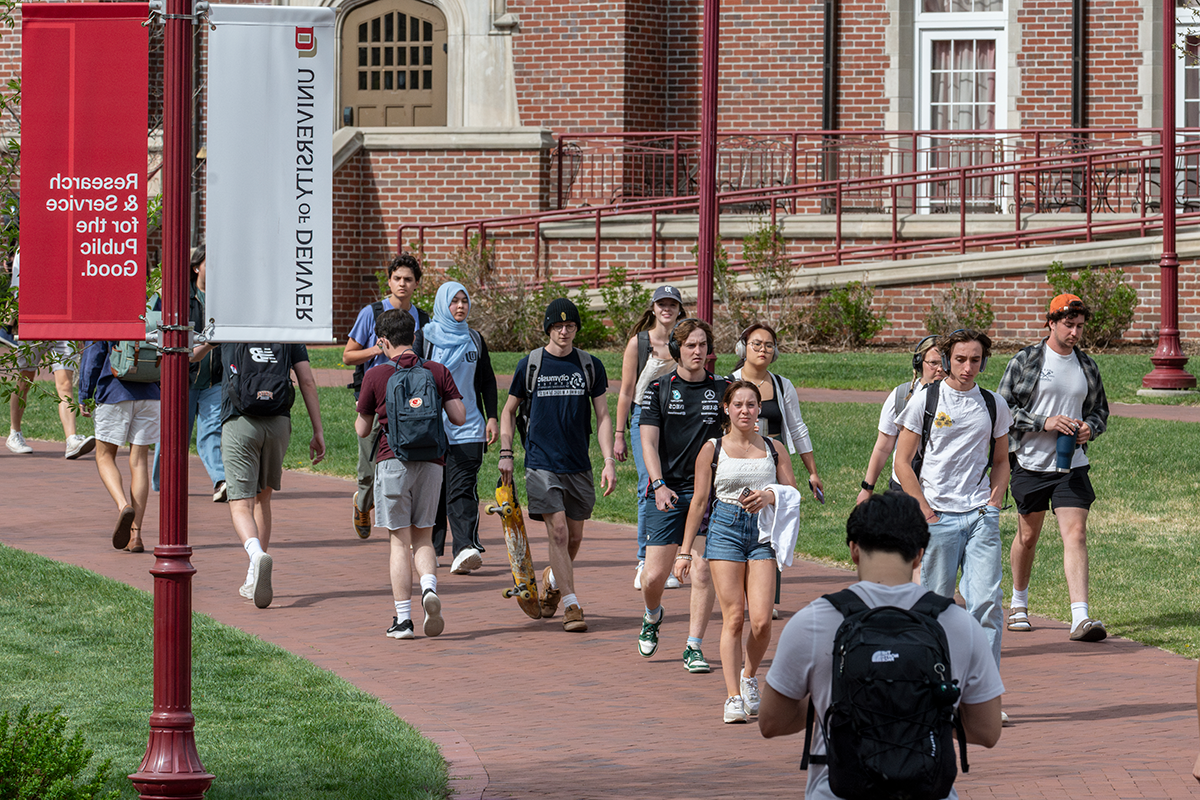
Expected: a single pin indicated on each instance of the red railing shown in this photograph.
(1113, 192)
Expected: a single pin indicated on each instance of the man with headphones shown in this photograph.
(680, 412)
(955, 430)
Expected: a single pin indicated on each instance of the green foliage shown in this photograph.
(845, 316)
(625, 301)
(38, 760)
(1106, 294)
(959, 307)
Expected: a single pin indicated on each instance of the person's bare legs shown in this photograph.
(760, 599)
(1024, 547)
(16, 401)
(139, 487)
(1072, 525)
(660, 558)
(704, 596)
(400, 562)
(64, 384)
(252, 518)
(729, 583)
(565, 536)
(110, 474)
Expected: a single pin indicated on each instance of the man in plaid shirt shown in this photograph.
(1054, 389)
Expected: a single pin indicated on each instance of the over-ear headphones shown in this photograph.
(919, 354)
(740, 347)
(946, 355)
(673, 344)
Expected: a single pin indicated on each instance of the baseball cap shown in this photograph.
(1063, 301)
(667, 293)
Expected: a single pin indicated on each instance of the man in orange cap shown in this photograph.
(1054, 390)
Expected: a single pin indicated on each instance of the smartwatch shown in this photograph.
(658, 484)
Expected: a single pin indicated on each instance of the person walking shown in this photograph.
(647, 356)
(750, 469)
(447, 340)
(1057, 396)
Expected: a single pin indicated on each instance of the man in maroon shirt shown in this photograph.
(406, 492)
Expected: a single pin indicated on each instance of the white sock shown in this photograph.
(1020, 599)
(569, 600)
(252, 547)
(695, 642)
(428, 582)
(1079, 612)
(655, 615)
(553, 583)
(403, 610)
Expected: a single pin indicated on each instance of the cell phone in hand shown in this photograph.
(816, 490)
(745, 493)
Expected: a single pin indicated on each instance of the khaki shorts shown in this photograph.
(253, 449)
(407, 493)
(65, 356)
(133, 421)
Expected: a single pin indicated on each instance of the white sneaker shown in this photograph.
(79, 446)
(16, 443)
(434, 624)
(263, 593)
(637, 576)
(247, 589)
(466, 561)
(735, 709)
(749, 688)
(673, 582)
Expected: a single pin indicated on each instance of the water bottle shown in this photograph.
(1065, 451)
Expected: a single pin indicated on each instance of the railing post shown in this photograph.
(1087, 191)
(560, 169)
(962, 210)
(837, 229)
(596, 274)
(537, 250)
(653, 242)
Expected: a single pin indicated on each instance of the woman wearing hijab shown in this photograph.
(447, 340)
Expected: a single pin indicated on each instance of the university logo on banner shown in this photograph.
(84, 69)
(270, 172)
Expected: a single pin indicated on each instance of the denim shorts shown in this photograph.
(733, 535)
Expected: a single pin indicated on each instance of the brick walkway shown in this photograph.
(523, 710)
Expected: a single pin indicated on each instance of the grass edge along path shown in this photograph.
(269, 723)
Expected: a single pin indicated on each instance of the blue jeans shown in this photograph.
(970, 541)
(205, 404)
(635, 443)
(733, 536)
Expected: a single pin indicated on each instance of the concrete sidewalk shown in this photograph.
(523, 710)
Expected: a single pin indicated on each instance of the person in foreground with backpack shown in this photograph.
(563, 385)
(647, 356)
(256, 426)
(960, 432)
(927, 368)
(449, 341)
(407, 397)
(126, 411)
(361, 352)
(739, 475)
(882, 675)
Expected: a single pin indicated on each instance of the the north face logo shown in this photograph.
(414, 402)
(262, 355)
(884, 657)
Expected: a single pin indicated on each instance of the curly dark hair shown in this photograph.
(891, 523)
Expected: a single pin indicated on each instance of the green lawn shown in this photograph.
(269, 724)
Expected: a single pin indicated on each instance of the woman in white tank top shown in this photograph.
(743, 568)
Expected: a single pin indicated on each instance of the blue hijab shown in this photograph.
(450, 339)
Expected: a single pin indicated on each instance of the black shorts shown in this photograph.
(1034, 491)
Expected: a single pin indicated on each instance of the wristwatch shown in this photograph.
(870, 487)
(658, 484)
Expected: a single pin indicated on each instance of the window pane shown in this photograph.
(387, 56)
(412, 79)
(388, 22)
(414, 57)
(414, 29)
(387, 81)
(374, 56)
(428, 31)
(400, 76)
(934, 6)
(375, 79)
(402, 56)
(362, 56)
(428, 56)
(428, 75)
(401, 25)
(362, 32)
(375, 30)
(362, 81)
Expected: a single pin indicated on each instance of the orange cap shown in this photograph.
(1061, 302)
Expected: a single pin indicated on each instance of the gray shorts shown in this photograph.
(549, 492)
(253, 449)
(407, 493)
(65, 356)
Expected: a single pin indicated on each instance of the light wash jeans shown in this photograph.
(635, 443)
(205, 405)
(970, 541)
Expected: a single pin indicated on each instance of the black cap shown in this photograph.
(561, 310)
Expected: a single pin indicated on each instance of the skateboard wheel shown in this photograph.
(492, 510)
(509, 592)
(525, 595)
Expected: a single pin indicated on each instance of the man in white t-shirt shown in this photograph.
(1054, 389)
(887, 538)
(959, 499)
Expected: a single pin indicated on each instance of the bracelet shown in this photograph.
(610, 458)
(509, 457)
(684, 556)
(870, 487)
(621, 432)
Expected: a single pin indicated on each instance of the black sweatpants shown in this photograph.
(460, 500)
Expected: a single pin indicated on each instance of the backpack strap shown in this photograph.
(531, 372)
(644, 350)
(900, 399)
(847, 602)
(588, 363)
(808, 757)
(989, 400)
(932, 604)
(932, 395)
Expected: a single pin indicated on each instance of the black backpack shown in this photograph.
(260, 380)
(931, 404)
(890, 727)
(414, 412)
(588, 363)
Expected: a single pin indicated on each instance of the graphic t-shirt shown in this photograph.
(228, 354)
(952, 477)
(803, 662)
(560, 412)
(691, 417)
(373, 397)
(1061, 389)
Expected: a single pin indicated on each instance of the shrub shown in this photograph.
(1106, 294)
(959, 307)
(625, 301)
(38, 760)
(845, 316)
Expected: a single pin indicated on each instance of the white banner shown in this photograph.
(270, 171)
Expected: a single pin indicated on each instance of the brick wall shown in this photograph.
(1113, 61)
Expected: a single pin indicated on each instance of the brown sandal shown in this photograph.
(120, 537)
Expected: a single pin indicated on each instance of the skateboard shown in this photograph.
(524, 586)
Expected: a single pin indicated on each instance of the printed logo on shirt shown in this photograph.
(472, 356)
(709, 394)
(675, 395)
(1047, 374)
(570, 385)
(942, 420)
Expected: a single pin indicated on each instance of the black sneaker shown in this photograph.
(434, 624)
(401, 630)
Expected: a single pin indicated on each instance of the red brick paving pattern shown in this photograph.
(523, 710)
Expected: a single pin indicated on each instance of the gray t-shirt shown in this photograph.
(803, 662)
(1061, 389)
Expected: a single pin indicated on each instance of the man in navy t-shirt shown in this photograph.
(558, 471)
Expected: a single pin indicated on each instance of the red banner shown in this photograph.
(84, 72)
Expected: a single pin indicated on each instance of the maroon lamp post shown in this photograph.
(171, 767)
(706, 247)
(1168, 359)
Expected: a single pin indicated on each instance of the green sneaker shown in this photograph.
(693, 659)
(648, 638)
